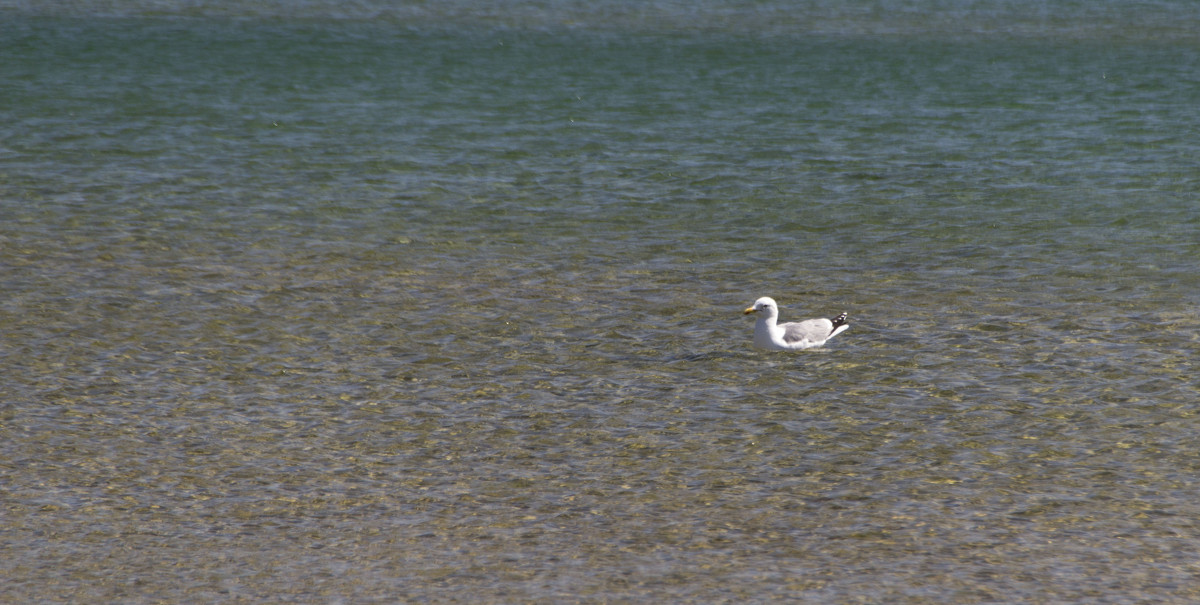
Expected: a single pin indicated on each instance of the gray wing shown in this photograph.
(812, 330)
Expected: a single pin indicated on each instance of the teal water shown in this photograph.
(374, 304)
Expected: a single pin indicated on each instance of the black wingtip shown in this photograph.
(839, 320)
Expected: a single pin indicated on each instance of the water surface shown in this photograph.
(366, 303)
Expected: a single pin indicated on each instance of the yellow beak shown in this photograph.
(748, 311)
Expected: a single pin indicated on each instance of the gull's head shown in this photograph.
(765, 305)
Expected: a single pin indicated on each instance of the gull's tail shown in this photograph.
(839, 325)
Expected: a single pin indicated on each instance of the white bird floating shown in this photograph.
(791, 336)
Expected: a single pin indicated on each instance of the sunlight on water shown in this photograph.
(445, 304)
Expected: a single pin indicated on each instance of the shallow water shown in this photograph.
(445, 304)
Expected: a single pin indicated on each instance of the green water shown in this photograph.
(379, 304)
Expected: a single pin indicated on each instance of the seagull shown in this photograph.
(791, 336)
